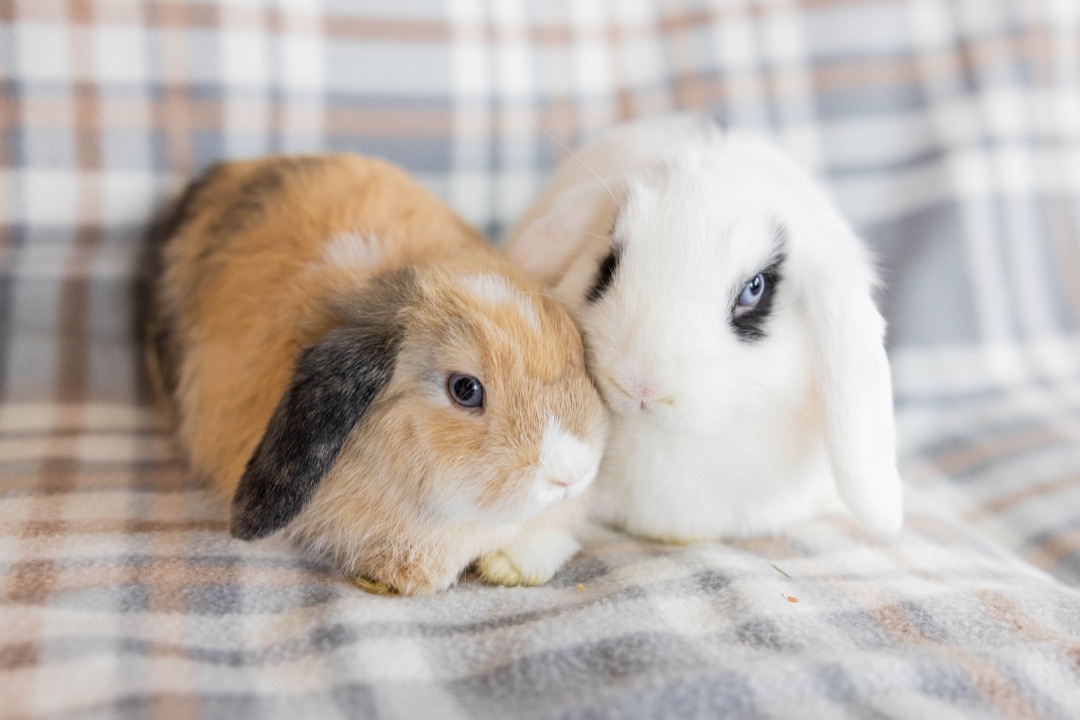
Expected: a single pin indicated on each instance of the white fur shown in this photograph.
(532, 557)
(353, 250)
(567, 463)
(713, 436)
(566, 468)
(497, 290)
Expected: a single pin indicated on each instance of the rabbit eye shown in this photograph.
(604, 276)
(465, 390)
(751, 294)
(751, 309)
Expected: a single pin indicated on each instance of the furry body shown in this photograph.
(729, 419)
(307, 314)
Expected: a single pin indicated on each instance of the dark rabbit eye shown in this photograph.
(465, 390)
(751, 294)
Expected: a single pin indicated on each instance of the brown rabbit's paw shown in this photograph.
(532, 558)
(373, 586)
(498, 569)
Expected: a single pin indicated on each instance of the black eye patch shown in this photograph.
(749, 324)
(604, 275)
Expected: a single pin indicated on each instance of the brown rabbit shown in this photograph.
(354, 365)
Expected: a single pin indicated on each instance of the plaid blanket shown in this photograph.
(949, 131)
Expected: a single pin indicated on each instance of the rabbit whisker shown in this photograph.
(585, 165)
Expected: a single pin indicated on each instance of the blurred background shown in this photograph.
(948, 130)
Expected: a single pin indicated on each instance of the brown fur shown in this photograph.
(421, 487)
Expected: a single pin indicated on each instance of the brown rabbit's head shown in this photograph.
(448, 398)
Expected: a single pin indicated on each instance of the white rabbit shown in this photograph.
(729, 322)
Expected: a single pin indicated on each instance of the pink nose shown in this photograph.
(645, 394)
(567, 479)
(644, 391)
(649, 396)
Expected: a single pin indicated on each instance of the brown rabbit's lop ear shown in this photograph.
(333, 385)
(855, 383)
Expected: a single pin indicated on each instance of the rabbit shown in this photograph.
(355, 367)
(728, 316)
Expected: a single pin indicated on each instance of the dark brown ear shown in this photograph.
(333, 385)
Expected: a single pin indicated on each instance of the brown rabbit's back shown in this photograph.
(252, 253)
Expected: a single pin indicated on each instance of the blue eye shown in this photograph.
(465, 390)
(751, 293)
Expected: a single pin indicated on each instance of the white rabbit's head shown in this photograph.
(719, 286)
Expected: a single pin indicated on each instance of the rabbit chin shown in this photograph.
(754, 473)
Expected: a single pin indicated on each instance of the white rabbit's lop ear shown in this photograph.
(854, 380)
(582, 212)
